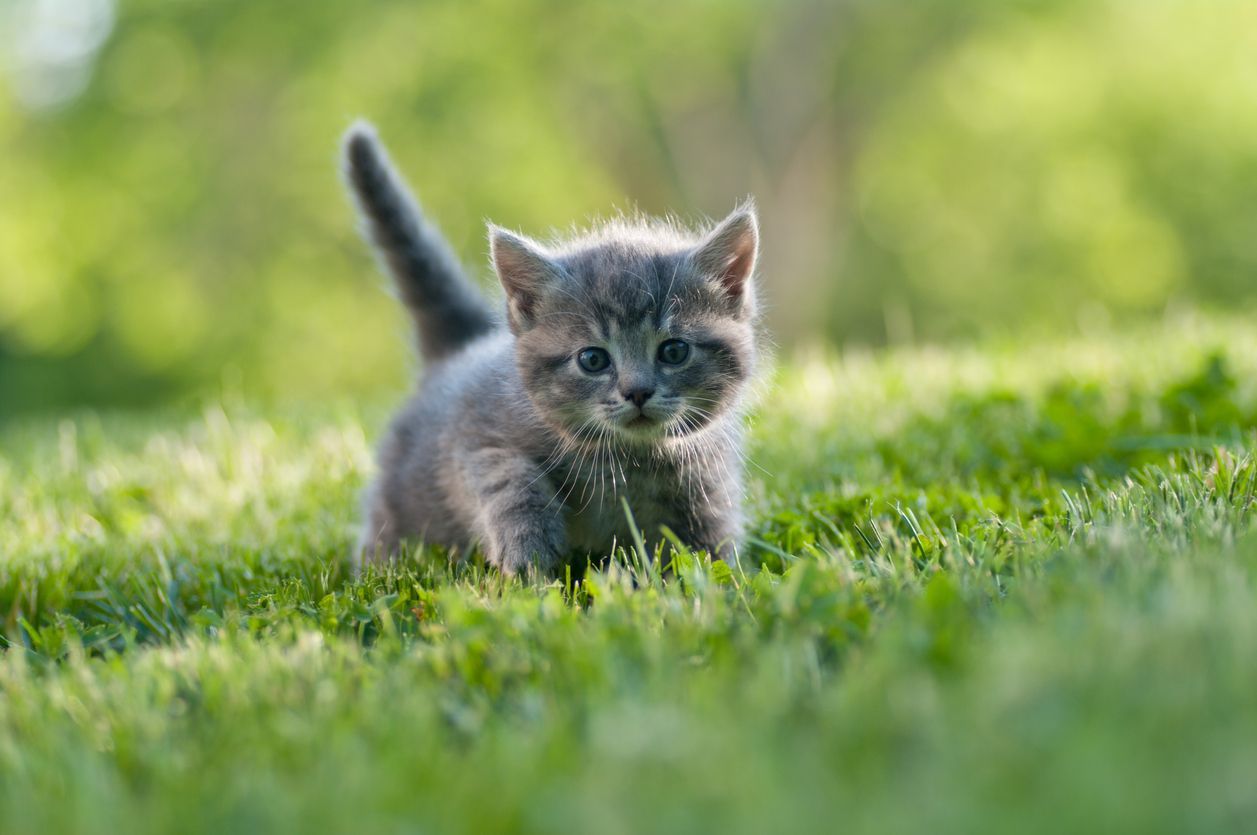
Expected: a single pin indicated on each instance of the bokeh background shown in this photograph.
(172, 223)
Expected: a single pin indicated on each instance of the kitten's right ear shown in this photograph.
(525, 272)
(728, 255)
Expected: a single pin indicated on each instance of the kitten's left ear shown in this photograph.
(525, 272)
(727, 255)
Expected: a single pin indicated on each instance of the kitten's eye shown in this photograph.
(593, 360)
(674, 352)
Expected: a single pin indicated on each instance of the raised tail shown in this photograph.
(447, 309)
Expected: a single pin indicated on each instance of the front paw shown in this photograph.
(526, 552)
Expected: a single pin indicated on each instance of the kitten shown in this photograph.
(617, 376)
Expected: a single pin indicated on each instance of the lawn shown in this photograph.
(1005, 588)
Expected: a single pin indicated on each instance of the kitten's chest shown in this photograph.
(596, 495)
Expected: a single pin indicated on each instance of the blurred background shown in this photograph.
(172, 222)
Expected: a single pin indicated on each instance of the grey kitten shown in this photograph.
(618, 377)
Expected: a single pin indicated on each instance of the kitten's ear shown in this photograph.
(727, 255)
(525, 272)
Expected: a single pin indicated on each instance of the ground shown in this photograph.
(1000, 588)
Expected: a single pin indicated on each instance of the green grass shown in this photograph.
(1001, 589)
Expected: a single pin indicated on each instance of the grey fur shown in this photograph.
(508, 443)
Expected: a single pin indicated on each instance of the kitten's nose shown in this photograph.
(638, 396)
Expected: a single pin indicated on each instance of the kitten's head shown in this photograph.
(638, 332)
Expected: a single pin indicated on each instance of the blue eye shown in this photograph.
(674, 352)
(593, 360)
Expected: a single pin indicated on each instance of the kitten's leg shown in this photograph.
(718, 533)
(713, 520)
(520, 521)
(379, 540)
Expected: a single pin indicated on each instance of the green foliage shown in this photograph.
(1066, 161)
(961, 612)
(926, 168)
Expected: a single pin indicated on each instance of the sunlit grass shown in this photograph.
(1006, 589)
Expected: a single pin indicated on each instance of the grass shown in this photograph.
(1001, 589)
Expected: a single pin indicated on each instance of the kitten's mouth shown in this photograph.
(640, 425)
(640, 428)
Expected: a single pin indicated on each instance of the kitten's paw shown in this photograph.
(527, 553)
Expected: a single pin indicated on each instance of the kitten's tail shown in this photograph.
(448, 310)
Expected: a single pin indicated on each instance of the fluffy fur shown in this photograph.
(511, 441)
